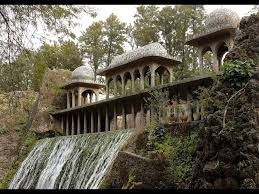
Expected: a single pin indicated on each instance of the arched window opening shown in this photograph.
(128, 83)
(137, 80)
(119, 85)
(207, 59)
(222, 51)
(111, 88)
(162, 76)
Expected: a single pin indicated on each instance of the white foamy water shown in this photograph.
(71, 162)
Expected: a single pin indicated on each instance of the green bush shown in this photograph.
(181, 156)
(178, 150)
(236, 73)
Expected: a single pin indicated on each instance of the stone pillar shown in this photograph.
(68, 99)
(115, 117)
(215, 63)
(91, 97)
(107, 88)
(123, 116)
(171, 75)
(86, 98)
(215, 58)
(132, 82)
(133, 116)
(67, 124)
(79, 94)
(162, 79)
(72, 124)
(99, 121)
(78, 123)
(73, 99)
(123, 86)
(85, 123)
(115, 87)
(152, 78)
(107, 119)
(97, 95)
(92, 122)
(142, 80)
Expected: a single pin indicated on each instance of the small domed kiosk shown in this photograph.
(82, 87)
(218, 36)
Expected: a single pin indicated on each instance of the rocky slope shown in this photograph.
(246, 43)
(25, 111)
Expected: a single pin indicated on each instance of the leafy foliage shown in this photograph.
(145, 29)
(236, 73)
(179, 151)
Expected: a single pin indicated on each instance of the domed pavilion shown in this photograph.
(82, 88)
(218, 36)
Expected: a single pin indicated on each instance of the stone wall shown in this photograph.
(229, 158)
(246, 43)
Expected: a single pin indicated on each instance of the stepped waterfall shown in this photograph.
(70, 162)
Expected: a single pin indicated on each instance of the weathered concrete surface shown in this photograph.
(132, 171)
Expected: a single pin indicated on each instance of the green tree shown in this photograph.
(189, 19)
(17, 75)
(64, 56)
(166, 23)
(91, 44)
(115, 36)
(70, 56)
(145, 28)
(20, 24)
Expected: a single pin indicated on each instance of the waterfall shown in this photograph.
(70, 162)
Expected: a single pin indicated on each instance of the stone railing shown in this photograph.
(181, 113)
(101, 82)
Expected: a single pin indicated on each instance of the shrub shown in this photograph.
(236, 73)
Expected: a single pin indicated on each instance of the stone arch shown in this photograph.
(222, 49)
(118, 81)
(147, 77)
(162, 75)
(137, 80)
(207, 58)
(127, 83)
(89, 96)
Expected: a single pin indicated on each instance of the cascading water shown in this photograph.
(74, 162)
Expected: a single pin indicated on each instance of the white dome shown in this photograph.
(83, 73)
(222, 18)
